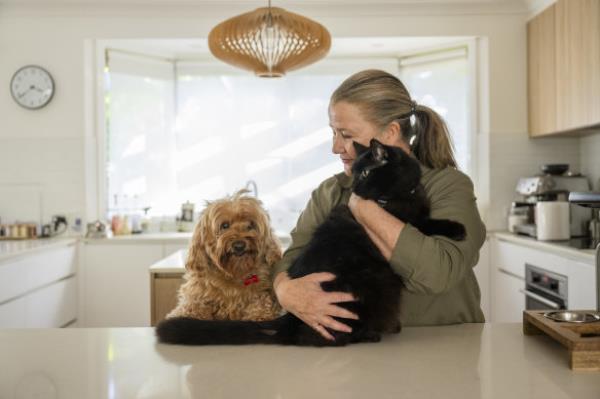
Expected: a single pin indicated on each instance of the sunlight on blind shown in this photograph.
(222, 130)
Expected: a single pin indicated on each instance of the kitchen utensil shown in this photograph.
(555, 169)
(581, 339)
(570, 316)
(96, 229)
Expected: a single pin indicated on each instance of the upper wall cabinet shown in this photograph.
(564, 67)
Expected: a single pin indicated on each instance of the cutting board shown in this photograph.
(581, 340)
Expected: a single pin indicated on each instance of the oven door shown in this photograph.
(537, 300)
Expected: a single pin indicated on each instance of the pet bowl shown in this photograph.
(570, 316)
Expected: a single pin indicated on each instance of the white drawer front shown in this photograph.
(52, 306)
(512, 257)
(12, 314)
(25, 274)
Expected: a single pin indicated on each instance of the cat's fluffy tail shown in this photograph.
(190, 331)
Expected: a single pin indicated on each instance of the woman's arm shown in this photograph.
(382, 227)
(428, 264)
(303, 296)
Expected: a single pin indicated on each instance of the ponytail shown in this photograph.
(429, 138)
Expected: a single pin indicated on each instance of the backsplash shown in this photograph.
(590, 158)
(50, 170)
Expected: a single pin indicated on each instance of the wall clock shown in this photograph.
(32, 87)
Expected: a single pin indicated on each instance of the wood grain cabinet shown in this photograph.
(163, 294)
(563, 44)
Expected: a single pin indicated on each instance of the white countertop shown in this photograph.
(10, 249)
(174, 263)
(585, 255)
(489, 361)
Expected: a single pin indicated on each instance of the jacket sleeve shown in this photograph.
(435, 264)
(322, 201)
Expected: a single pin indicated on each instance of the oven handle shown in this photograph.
(540, 298)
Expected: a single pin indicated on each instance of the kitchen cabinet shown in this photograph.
(564, 67)
(163, 291)
(508, 261)
(116, 282)
(40, 289)
(541, 73)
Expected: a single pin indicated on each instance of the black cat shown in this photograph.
(341, 246)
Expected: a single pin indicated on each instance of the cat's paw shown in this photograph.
(456, 231)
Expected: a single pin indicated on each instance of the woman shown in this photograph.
(440, 286)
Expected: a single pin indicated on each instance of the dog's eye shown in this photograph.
(224, 225)
(364, 173)
(251, 226)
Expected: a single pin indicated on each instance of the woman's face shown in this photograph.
(348, 125)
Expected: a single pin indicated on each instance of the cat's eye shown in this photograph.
(364, 173)
(224, 225)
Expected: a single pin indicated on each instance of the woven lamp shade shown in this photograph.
(269, 41)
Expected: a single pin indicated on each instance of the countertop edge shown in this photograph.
(587, 256)
(39, 246)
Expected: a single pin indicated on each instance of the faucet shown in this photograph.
(254, 191)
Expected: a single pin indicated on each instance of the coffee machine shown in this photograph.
(551, 187)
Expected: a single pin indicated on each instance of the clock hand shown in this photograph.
(25, 92)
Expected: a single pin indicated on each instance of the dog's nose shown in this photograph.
(239, 246)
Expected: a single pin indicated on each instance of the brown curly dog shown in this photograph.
(229, 263)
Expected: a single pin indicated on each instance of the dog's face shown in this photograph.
(235, 235)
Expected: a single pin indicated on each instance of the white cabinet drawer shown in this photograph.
(12, 314)
(52, 306)
(17, 277)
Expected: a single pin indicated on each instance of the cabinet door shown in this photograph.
(577, 63)
(52, 306)
(541, 73)
(116, 288)
(164, 294)
(508, 301)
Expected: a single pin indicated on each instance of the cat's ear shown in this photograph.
(379, 151)
(359, 148)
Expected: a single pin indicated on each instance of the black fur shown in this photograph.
(340, 246)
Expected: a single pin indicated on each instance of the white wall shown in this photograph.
(590, 158)
(51, 146)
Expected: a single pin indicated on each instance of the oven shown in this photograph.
(544, 289)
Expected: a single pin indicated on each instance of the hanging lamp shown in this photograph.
(269, 41)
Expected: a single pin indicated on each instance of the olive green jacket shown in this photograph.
(440, 286)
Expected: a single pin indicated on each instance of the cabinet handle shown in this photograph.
(501, 270)
(540, 298)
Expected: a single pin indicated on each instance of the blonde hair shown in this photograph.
(383, 99)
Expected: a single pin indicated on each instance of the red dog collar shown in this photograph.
(251, 280)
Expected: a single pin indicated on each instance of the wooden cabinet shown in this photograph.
(541, 73)
(163, 292)
(564, 68)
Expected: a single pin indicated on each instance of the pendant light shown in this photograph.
(269, 41)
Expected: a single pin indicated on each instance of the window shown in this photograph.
(180, 132)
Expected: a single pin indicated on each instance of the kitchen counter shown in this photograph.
(462, 361)
(10, 249)
(556, 247)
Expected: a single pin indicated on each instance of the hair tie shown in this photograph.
(413, 108)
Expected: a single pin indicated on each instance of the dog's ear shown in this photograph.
(197, 258)
(272, 249)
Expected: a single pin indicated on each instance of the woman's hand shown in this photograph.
(355, 203)
(305, 298)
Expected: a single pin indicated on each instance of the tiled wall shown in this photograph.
(514, 155)
(52, 164)
(590, 158)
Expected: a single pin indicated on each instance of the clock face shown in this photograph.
(32, 87)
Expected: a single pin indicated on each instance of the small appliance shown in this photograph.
(548, 187)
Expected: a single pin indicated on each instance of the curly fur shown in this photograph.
(216, 271)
